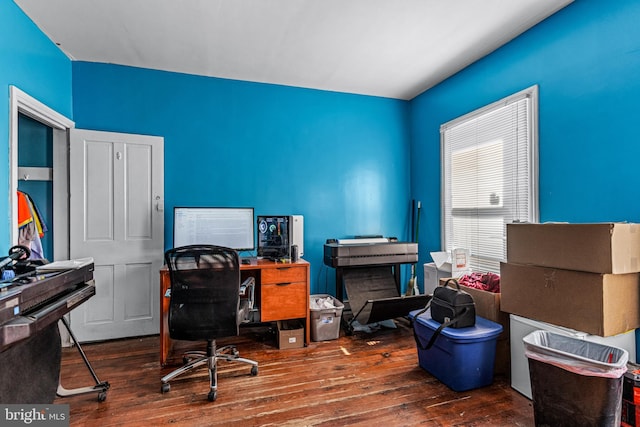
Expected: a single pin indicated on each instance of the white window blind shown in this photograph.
(489, 178)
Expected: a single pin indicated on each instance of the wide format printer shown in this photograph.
(369, 269)
(369, 251)
(32, 301)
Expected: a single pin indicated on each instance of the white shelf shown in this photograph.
(35, 173)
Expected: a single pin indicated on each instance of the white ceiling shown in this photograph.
(395, 49)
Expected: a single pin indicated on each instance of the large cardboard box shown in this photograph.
(595, 303)
(611, 248)
(488, 307)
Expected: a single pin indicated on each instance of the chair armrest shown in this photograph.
(247, 288)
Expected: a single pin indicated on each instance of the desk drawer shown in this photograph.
(283, 301)
(283, 275)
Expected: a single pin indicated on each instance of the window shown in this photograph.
(489, 177)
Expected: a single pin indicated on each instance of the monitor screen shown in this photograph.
(229, 227)
(273, 236)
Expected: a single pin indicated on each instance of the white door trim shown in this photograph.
(21, 102)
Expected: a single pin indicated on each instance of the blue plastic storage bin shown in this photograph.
(461, 358)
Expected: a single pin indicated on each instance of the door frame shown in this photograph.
(21, 102)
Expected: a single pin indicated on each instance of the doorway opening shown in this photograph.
(48, 173)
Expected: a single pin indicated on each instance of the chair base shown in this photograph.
(195, 359)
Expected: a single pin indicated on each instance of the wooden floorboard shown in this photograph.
(360, 380)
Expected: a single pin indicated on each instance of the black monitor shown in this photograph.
(221, 226)
(274, 234)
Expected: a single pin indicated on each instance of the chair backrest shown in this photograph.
(204, 300)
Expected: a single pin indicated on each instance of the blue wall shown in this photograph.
(340, 160)
(351, 164)
(586, 61)
(32, 63)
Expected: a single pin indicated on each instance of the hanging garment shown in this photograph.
(30, 226)
(37, 216)
(24, 211)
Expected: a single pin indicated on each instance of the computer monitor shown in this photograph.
(274, 233)
(222, 226)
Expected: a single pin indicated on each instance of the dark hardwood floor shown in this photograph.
(360, 380)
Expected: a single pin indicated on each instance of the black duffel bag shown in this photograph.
(451, 307)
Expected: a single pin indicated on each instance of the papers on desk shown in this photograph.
(70, 264)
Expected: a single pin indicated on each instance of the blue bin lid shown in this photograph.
(483, 329)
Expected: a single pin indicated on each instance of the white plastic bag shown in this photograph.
(575, 355)
(322, 303)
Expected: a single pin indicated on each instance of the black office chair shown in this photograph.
(205, 304)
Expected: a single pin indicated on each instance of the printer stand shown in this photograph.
(100, 387)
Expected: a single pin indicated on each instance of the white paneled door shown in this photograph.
(117, 217)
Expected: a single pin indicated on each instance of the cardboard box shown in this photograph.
(432, 276)
(442, 260)
(598, 304)
(502, 365)
(456, 262)
(487, 304)
(488, 307)
(290, 334)
(610, 248)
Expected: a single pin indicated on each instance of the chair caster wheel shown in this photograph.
(254, 370)
(165, 387)
(102, 396)
(213, 395)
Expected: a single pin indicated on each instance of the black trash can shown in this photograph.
(574, 382)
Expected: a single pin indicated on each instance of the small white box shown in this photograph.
(460, 262)
(442, 260)
(432, 276)
(455, 262)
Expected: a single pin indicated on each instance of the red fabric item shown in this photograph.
(24, 211)
(489, 282)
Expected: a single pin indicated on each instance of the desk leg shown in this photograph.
(165, 340)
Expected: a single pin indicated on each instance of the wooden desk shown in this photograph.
(281, 293)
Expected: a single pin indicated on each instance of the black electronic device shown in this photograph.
(274, 234)
(15, 253)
